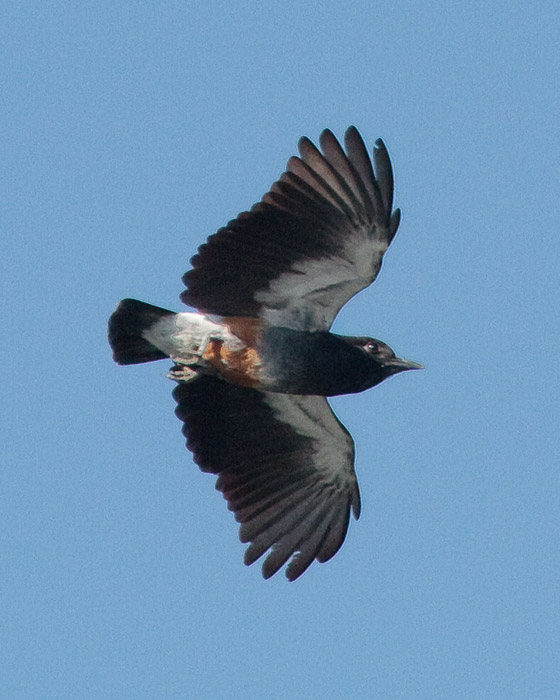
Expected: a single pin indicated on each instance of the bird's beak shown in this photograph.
(401, 365)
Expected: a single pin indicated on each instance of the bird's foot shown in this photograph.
(182, 374)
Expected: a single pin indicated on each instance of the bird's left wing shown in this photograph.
(284, 464)
(313, 241)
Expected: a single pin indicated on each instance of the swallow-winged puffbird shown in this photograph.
(256, 361)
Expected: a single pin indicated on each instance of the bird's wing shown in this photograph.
(284, 464)
(311, 243)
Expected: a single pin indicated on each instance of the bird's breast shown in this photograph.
(241, 366)
(240, 361)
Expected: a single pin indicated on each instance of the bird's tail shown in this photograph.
(126, 326)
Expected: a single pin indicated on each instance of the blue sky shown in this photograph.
(131, 131)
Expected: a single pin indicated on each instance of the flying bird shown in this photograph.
(254, 364)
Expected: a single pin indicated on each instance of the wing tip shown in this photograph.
(380, 144)
(352, 131)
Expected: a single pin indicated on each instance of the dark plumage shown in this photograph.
(254, 364)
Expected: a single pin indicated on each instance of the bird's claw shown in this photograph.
(182, 374)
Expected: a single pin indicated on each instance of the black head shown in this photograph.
(379, 361)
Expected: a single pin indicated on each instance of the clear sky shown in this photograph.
(130, 132)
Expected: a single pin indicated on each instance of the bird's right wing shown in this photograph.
(314, 240)
(284, 464)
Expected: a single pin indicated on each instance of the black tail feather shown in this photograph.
(126, 324)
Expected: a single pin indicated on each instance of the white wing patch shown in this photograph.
(310, 294)
(311, 416)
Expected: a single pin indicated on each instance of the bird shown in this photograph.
(255, 361)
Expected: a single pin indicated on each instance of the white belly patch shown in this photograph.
(185, 336)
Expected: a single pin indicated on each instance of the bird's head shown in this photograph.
(378, 360)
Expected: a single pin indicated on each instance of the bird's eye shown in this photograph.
(372, 347)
